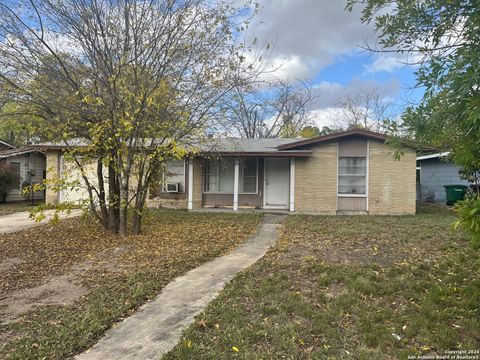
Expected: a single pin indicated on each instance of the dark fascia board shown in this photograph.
(7, 144)
(295, 153)
(333, 136)
(50, 147)
(304, 153)
(19, 151)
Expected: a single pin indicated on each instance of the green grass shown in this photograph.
(345, 287)
(173, 243)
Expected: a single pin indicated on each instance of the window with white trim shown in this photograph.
(174, 172)
(219, 176)
(352, 175)
(248, 176)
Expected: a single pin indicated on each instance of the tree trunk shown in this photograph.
(122, 229)
(140, 199)
(101, 195)
(137, 221)
(113, 200)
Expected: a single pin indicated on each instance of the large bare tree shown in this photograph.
(365, 107)
(132, 82)
(267, 110)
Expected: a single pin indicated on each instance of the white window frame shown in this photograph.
(218, 178)
(241, 176)
(164, 182)
(366, 177)
(240, 182)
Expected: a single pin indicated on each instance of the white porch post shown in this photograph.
(292, 184)
(190, 184)
(235, 185)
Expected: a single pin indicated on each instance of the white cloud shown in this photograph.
(390, 62)
(289, 68)
(307, 35)
(326, 117)
(328, 86)
(385, 63)
(328, 94)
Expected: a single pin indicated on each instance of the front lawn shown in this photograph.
(62, 286)
(348, 287)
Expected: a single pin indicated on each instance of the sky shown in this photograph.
(320, 42)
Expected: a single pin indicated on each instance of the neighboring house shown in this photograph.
(346, 172)
(29, 164)
(433, 172)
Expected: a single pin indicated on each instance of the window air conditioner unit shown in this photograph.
(172, 187)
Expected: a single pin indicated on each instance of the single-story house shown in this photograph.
(434, 171)
(29, 165)
(346, 172)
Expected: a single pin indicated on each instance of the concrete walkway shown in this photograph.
(21, 220)
(156, 328)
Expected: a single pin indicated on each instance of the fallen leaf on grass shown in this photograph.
(202, 323)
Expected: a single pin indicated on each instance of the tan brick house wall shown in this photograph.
(182, 201)
(167, 203)
(316, 180)
(197, 183)
(52, 166)
(392, 185)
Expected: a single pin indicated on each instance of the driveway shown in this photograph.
(21, 220)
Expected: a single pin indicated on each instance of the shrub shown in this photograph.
(468, 213)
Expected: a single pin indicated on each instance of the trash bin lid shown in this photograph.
(455, 186)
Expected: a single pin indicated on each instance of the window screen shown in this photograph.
(248, 176)
(174, 173)
(219, 175)
(352, 175)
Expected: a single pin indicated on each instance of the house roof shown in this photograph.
(336, 135)
(254, 147)
(251, 147)
(433, 156)
(4, 154)
(223, 147)
(4, 143)
(76, 142)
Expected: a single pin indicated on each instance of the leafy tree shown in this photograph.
(122, 85)
(19, 129)
(313, 131)
(310, 131)
(444, 37)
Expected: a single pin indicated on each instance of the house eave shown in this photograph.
(7, 155)
(433, 156)
(334, 136)
(305, 153)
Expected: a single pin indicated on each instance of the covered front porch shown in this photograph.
(243, 183)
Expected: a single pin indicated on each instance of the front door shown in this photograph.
(277, 183)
